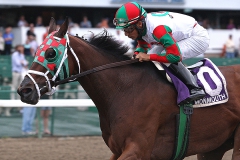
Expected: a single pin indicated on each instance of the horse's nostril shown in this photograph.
(25, 91)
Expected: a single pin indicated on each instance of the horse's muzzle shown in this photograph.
(28, 93)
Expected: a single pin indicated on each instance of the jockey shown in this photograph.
(166, 37)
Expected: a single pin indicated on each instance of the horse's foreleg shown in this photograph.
(124, 156)
(218, 153)
(236, 149)
(113, 157)
(134, 152)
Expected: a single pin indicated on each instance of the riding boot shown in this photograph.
(188, 79)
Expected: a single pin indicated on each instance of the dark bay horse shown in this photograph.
(137, 106)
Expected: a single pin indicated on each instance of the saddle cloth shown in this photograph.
(208, 77)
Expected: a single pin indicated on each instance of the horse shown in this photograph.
(136, 104)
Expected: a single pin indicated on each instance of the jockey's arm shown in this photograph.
(141, 50)
(163, 35)
(142, 46)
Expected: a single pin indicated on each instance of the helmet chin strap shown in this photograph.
(141, 30)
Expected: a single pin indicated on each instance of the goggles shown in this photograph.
(129, 29)
(120, 22)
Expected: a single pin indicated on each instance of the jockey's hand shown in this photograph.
(134, 56)
(143, 57)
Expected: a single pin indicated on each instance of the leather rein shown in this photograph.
(93, 70)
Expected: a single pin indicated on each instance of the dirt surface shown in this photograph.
(55, 148)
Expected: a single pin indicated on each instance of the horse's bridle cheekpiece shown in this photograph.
(57, 66)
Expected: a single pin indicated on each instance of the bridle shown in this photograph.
(51, 84)
(51, 89)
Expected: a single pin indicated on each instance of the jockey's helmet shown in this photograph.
(128, 14)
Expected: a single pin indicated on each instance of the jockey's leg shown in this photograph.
(188, 79)
(193, 46)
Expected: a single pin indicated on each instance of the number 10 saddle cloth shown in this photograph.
(208, 77)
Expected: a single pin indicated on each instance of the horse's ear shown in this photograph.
(52, 25)
(63, 29)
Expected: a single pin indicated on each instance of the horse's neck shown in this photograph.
(102, 86)
(108, 87)
(118, 84)
(99, 84)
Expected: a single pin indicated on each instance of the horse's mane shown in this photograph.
(109, 44)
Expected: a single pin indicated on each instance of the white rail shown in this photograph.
(50, 102)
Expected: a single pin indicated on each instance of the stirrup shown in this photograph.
(196, 94)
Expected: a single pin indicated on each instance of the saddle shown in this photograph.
(209, 78)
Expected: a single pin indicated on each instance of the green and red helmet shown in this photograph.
(128, 14)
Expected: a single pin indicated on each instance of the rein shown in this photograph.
(96, 69)
(60, 46)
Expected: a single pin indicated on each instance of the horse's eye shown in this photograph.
(50, 55)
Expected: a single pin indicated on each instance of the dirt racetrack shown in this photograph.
(55, 148)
